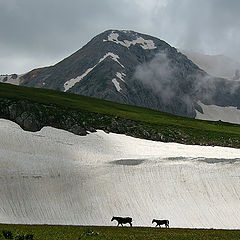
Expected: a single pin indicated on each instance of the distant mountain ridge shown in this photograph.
(137, 69)
(215, 65)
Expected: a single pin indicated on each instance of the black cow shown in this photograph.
(161, 222)
(123, 220)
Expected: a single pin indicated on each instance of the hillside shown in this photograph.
(35, 108)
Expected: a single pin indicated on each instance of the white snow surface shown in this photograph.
(114, 57)
(116, 84)
(216, 113)
(145, 44)
(55, 177)
(10, 79)
(121, 75)
(70, 83)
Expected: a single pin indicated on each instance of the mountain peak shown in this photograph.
(128, 38)
(137, 69)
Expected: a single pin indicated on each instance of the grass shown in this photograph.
(52, 232)
(209, 131)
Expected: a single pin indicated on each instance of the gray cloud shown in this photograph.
(206, 26)
(158, 74)
(38, 33)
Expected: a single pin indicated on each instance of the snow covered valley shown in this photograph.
(55, 177)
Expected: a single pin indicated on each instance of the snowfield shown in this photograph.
(216, 113)
(12, 79)
(55, 177)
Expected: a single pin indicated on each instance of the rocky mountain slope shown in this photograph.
(137, 69)
(110, 67)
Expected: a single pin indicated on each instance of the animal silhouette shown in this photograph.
(161, 222)
(123, 220)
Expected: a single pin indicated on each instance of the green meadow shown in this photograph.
(49, 232)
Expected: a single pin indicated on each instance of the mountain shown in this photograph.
(137, 69)
(215, 65)
(106, 68)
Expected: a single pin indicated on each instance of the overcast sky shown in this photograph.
(36, 33)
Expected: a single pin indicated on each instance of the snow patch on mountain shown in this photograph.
(114, 57)
(116, 84)
(55, 177)
(70, 83)
(121, 75)
(12, 79)
(145, 44)
(216, 113)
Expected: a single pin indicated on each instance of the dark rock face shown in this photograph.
(137, 69)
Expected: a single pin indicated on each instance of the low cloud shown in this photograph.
(158, 75)
(172, 80)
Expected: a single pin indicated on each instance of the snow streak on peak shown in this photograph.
(121, 76)
(113, 56)
(116, 84)
(70, 83)
(145, 44)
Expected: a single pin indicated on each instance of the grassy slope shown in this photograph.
(211, 130)
(48, 232)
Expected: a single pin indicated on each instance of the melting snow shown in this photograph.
(113, 56)
(10, 79)
(116, 84)
(55, 177)
(70, 83)
(215, 113)
(145, 44)
(120, 76)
